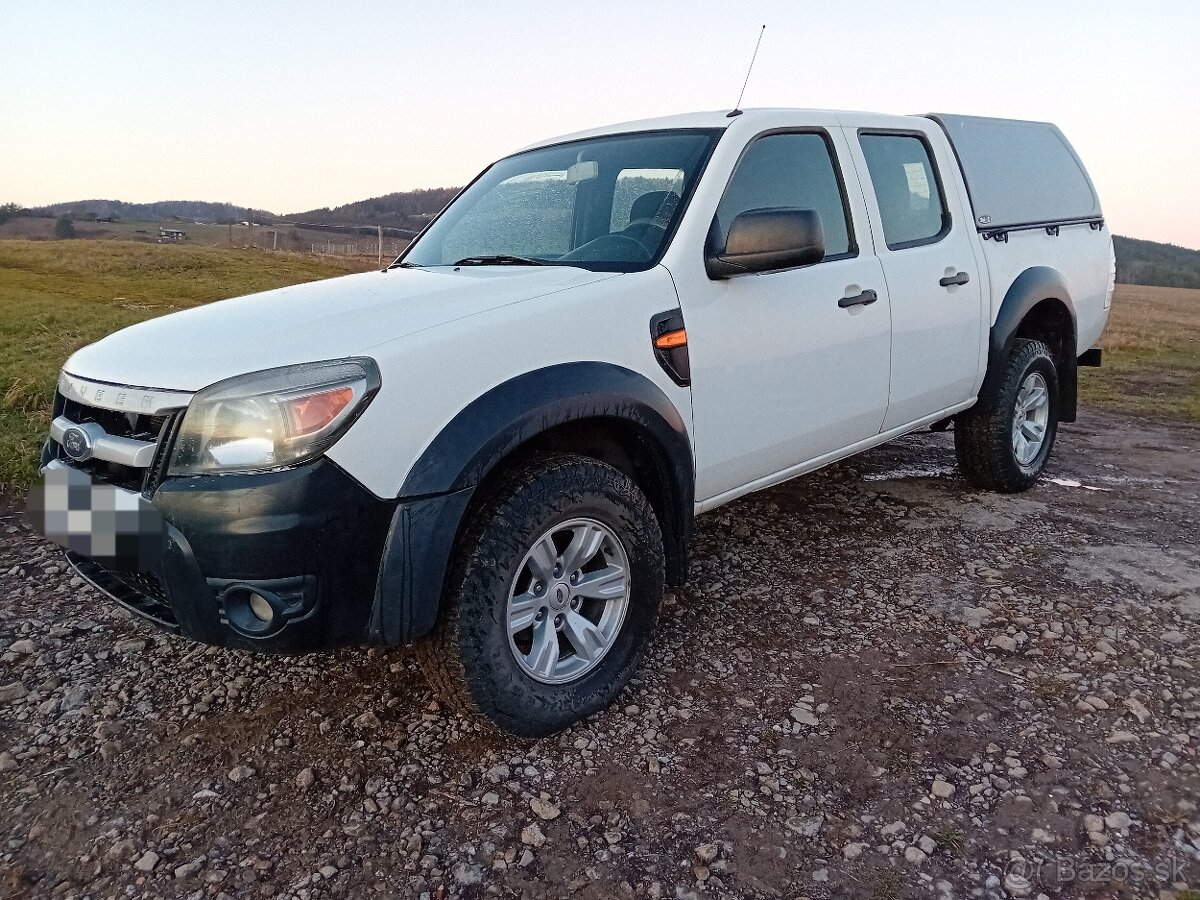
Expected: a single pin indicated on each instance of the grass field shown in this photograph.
(1151, 355)
(57, 296)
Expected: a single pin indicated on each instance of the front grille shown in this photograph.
(146, 583)
(119, 424)
(137, 426)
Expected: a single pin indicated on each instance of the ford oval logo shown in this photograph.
(77, 443)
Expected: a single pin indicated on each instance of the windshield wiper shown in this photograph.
(405, 265)
(501, 259)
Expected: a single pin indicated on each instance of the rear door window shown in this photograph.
(906, 185)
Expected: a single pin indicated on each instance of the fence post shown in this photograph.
(379, 228)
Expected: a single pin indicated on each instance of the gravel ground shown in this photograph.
(878, 683)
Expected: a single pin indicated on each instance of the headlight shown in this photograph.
(272, 419)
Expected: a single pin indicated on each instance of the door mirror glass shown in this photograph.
(767, 240)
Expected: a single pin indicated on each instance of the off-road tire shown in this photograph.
(983, 436)
(468, 660)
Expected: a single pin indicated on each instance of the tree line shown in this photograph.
(1149, 262)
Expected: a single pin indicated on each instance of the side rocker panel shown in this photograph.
(440, 484)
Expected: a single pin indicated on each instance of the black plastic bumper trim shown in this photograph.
(112, 585)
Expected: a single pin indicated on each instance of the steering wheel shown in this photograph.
(644, 232)
(593, 249)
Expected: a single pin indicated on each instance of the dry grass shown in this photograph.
(1151, 355)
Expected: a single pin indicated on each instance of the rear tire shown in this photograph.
(563, 553)
(1005, 446)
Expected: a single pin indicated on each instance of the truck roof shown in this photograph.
(718, 118)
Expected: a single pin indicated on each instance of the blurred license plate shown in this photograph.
(111, 525)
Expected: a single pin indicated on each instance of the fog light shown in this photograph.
(254, 613)
(261, 608)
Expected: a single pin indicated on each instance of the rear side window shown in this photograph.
(790, 169)
(907, 189)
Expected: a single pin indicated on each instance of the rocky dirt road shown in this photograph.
(878, 683)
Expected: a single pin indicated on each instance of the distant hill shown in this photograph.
(165, 210)
(1148, 262)
(403, 209)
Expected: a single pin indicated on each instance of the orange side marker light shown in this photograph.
(671, 339)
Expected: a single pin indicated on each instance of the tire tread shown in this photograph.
(983, 438)
(518, 495)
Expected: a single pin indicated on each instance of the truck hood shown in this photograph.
(189, 350)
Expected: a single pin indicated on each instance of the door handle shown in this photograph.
(956, 278)
(866, 298)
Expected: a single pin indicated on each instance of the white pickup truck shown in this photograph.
(496, 447)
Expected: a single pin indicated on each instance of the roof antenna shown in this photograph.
(736, 111)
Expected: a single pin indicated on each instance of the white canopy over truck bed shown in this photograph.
(1033, 203)
(1020, 174)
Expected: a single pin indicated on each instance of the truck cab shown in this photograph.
(495, 448)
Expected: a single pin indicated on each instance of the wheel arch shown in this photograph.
(595, 409)
(1036, 305)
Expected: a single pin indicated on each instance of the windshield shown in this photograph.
(607, 204)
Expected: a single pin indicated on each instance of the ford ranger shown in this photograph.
(495, 448)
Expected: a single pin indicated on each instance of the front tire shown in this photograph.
(553, 597)
(1005, 448)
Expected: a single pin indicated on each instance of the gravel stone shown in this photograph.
(1003, 642)
(466, 873)
(1117, 821)
(544, 809)
(12, 691)
(532, 835)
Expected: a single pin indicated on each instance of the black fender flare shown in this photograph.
(1033, 286)
(438, 488)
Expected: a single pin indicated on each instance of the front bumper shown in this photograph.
(307, 542)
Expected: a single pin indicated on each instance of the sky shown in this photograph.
(288, 106)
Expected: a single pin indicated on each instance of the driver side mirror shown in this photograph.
(767, 240)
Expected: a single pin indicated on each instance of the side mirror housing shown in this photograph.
(767, 240)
